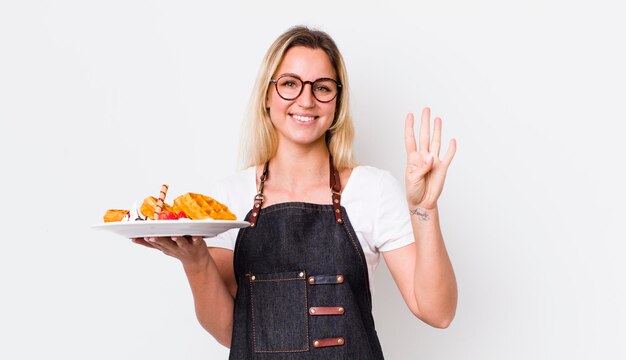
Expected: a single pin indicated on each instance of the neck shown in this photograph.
(296, 166)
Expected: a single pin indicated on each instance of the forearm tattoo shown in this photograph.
(420, 213)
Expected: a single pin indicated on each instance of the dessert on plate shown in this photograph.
(190, 205)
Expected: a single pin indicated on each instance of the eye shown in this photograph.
(322, 89)
(289, 83)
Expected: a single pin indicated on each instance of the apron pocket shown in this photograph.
(279, 312)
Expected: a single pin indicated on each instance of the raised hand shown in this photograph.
(425, 171)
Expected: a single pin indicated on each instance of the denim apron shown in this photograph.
(303, 288)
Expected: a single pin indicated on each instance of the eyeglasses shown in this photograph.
(289, 87)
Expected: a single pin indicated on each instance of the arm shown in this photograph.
(429, 288)
(211, 278)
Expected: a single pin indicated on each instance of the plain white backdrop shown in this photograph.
(102, 102)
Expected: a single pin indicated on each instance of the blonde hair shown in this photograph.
(260, 141)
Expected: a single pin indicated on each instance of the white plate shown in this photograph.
(138, 229)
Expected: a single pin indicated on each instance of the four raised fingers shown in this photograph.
(426, 144)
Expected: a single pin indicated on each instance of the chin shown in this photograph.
(308, 140)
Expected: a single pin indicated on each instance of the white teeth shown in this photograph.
(303, 118)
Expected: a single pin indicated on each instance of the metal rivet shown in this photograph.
(311, 311)
(337, 210)
(340, 310)
(253, 277)
(252, 225)
(339, 279)
(336, 201)
(340, 221)
(311, 280)
(316, 343)
(254, 214)
(301, 274)
(257, 206)
(340, 341)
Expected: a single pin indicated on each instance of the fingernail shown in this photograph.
(149, 239)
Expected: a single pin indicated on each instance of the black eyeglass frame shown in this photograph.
(275, 82)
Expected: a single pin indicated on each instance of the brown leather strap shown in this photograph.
(320, 343)
(325, 279)
(258, 198)
(335, 188)
(326, 310)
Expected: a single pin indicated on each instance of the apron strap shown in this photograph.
(258, 198)
(335, 188)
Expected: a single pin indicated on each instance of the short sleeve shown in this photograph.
(226, 239)
(236, 192)
(392, 223)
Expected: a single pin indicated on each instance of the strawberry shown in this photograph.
(167, 215)
(182, 215)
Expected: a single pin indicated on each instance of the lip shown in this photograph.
(303, 118)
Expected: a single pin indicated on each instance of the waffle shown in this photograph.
(149, 205)
(115, 215)
(198, 207)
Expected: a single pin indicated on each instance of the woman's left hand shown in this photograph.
(425, 171)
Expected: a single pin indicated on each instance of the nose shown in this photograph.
(306, 98)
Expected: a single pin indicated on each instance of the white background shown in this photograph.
(103, 101)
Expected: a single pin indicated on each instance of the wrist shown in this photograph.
(196, 267)
(423, 213)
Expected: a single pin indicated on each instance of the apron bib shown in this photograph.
(303, 288)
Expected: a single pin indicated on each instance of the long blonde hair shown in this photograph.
(260, 141)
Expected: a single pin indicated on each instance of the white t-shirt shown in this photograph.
(373, 199)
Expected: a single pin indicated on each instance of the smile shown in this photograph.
(303, 118)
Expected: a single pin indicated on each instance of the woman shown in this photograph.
(296, 283)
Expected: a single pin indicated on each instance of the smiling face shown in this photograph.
(304, 120)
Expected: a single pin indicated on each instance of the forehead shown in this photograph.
(309, 64)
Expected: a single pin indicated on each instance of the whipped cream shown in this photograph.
(135, 213)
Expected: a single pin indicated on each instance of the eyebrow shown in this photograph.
(299, 77)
